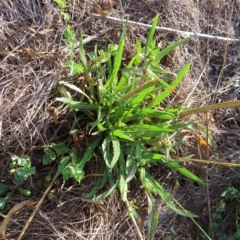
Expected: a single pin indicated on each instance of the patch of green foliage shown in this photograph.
(226, 218)
(126, 124)
(21, 169)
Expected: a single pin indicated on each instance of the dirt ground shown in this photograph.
(32, 54)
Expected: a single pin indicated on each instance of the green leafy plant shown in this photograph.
(120, 109)
(63, 4)
(22, 169)
(226, 220)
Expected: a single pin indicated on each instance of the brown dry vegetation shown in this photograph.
(32, 53)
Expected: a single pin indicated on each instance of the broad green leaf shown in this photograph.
(4, 200)
(168, 91)
(25, 192)
(149, 43)
(153, 214)
(3, 188)
(23, 173)
(20, 161)
(78, 105)
(111, 151)
(50, 156)
(83, 59)
(66, 16)
(105, 194)
(59, 148)
(123, 188)
(153, 186)
(74, 87)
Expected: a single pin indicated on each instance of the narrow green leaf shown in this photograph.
(141, 96)
(118, 112)
(74, 87)
(122, 135)
(133, 70)
(123, 80)
(112, 82)
(105, 194)
(78, 105)
(168, 49)
(100, 183)
(172, 164)
(82, 54)
(88, 154)
(149, 42)
(153, 186)
(168, 91)
(153, 214)
(59, 148)
(147, 130)
(138, 57)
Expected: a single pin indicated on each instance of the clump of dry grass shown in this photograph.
(32, 56)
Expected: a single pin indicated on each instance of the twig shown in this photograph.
(229, 104)
(140, 237)
(183, 33)
(37, 206)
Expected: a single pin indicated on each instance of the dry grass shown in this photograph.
(32, 55)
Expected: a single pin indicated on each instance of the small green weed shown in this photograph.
(226, 219)
(119, 110)
(21, 168)
(63, 4)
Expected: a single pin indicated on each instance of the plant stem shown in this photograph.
(140, 237)
(139, 89)
(228, 104)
